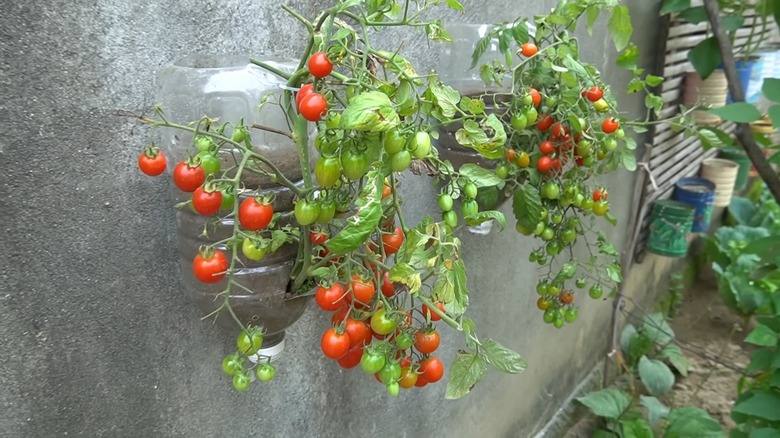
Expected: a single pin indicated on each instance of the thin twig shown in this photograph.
(274, 130)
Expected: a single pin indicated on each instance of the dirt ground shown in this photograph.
(705, 324)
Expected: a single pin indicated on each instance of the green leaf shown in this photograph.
(613, 271)
(656, 327)
(694, 15)
(322, 272)
(655, 409)
(674, 355)
(654, 102)
(436, 32)
(628, 333)
(627, 58)
(760, 360)
(739, 112)
(480, 48)
(654, 81)
(635, 85)
(484, 216)
(591, 14)
(767, 248)
(447, 98)
(655, 375)
(527, 206)
(502, 358)
(630, 141)
(450, 287)
(488, 138)
(361, 225)
(620, 27)
(686, 422)
(628, 161)
(637, 428)
(765, 432)
(762, 336)
(520, 32)
(732, 23)
(480, 176)
(713, 138)
(705, 57)
(465, 372)
(763, 404)
(454, 4)
(342, 33)
(774, 115)
(608, 403)
(369, 111)
(675, 6)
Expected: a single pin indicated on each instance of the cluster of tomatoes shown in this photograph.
(374, 332)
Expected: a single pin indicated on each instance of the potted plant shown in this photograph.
(369, 115)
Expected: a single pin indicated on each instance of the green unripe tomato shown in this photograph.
(231, 364)
(327, 212)
(595, 291)
(542, 288)
(421, 145)
(557, 218)
(583, 148)
(393, 388)
(558, 322)
(528, 100)
(549, 316)
(523, 230)
(502, 171)
(544, 214)
(551, 190)
(445, 202)
(266, 372)
(394, 142)
(531, 115)
(570, 315)
(470, 190)
(469, 208)
(450, 218)
(580, 283)
(568, 235)
(519, 121)
(620, 133)
(334, 120)
(548, 234)
(553, 248)
(253, 250)
(205, 144)
(239, 134)
(540, 228)
(610, 145)
(404, 341)
(400, 161)
(209, 162)
(554, 289)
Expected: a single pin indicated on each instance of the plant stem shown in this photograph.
(397, 204)
(274, 130)
(744, 134)
(272, 69)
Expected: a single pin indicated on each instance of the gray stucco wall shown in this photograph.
(99, 339)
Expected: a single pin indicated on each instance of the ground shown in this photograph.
(706, 324)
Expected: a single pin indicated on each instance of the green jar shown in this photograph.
(670, 223)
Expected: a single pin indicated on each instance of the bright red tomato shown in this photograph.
(362, 291)
(546, 147)
(319, 65)
(388, 288)
(188, 178)
(330, 298)
(427, 342)
(210, 268)
(544, 123)
(313, 107)
(393, 241)
(430, 314)
(205, 202)
(352, 358)
(318, 237)
(594, 93)
(544, 164)
(529, 49)
(152, 162)
(255, 214)
(358, 331)
(334, 345)
(341, 315)
(431, 369)
(535, 96)
(610, 125)
(305, 90)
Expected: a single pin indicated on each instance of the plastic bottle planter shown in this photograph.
(229, 88)
(711, 91)
(738, 156)
(455, 69)
(744, 71)
(670, 222)
(698, 193)
(724, 174)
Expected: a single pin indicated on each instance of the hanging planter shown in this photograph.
(699, 193)
(229, 88)
(670, 223)
(724, 174)
(711, 92)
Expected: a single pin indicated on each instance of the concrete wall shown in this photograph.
(98, 337)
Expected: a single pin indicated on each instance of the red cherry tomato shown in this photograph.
(594, 93)
(430, 314)
(330, 298)
(388, 289)
(210, 268)
(319, 65)
(254, 214)
(392, 242)
(610, 125)
(529, 49)
(431, 369)
(188, 178)
(544, 123)
(544, 164)
(363, 291)
(313, 107)
(317, 237)
(546, 147)
(536, 96)
(427, 342)
(352, 358)
(205, 202)
(358, 331)
(334, 345)
(152, 162)
(305, 90)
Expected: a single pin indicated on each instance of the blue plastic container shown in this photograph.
(744, 71)
(699, 193)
